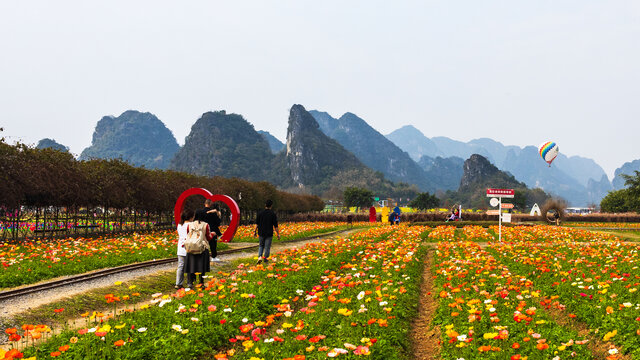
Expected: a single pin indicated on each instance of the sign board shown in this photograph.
(506, 218)
(502, 193)
(535, 210)
(507, 206)
(494, 202)
(493, 212)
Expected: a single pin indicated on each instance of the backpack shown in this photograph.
(196, 242)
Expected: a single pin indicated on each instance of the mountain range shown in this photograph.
(324, 154)
(581, 181)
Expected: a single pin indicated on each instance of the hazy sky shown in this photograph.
(518, 72)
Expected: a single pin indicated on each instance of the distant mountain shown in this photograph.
(227, 145)
(311, 155)
(52, 144)
(528, 167)
(479, 174)
(446, 173)
(450, 147)
(373, 148)
(627, 168)
(580, 168)
(577, 179)
(275, 144)
(320, 165)
(411, 140)
(596, 190)
(138, 138)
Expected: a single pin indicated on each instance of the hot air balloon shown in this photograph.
(549, 151)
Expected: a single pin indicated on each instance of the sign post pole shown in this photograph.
(500, 219)
(499, 194)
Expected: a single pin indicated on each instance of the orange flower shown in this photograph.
(119, 343)
(63, 348)
(515, 346)
(542, 346)
(55, 353)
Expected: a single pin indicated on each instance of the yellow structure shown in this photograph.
(384, 214)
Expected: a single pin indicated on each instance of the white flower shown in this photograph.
(227, 310)
(195, 319)
(383, 303)
(245, 320)
(361, 295)
(613, 351)
(462, 337)
(142, 329)
(299, 292)
(176, 327)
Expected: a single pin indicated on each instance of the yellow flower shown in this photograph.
(345, 312)
(118, 283)
(489, 336)
(120, 326)
(132, 287)
(287, 325)
(609, 335)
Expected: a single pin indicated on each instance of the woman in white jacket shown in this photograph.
(185, 218)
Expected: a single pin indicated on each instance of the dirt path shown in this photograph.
(425, 337)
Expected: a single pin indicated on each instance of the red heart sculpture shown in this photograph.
(235, 210)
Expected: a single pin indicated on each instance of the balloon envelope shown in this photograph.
(549, 151)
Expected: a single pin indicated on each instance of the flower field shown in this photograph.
(507, 300)
(338, 298)
(28, 262)
(292, 231)
(545, 292)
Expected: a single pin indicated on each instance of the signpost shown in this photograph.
(507, 206)
(499, 194)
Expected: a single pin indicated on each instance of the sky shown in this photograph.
(519, 72)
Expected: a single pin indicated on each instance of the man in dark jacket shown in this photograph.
(212, 217)
(266, 222)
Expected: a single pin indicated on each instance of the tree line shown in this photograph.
(46, 177)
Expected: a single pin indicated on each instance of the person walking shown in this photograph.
(197, 263)
(211, 216)
(185, 218)
(266, 223)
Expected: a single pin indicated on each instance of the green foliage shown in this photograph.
(615, 202)
(625, 200)
(425, 201)
(47, 177)
(359, 197)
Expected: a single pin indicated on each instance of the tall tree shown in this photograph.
(358, 197)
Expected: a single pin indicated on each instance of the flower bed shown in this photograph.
(486, 312)
(383, 264)
(30, 261)
(292, 231)
(597, 283)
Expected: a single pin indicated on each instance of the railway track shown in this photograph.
(29, 289)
